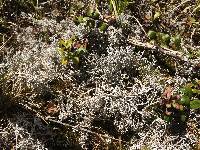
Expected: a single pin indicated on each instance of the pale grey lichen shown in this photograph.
(125, 86)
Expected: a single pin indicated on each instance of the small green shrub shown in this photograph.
(152, 35)
(157, 15)
(93, 13)
(165, 40)
(91, 20)
(194, 54)
(160, 38)
(176, 107)
(176, 41)
(71, 49)
(172, 109)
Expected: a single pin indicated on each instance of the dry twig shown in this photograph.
(175, 54)
(185, 1)
(79, 128)
(2, 46)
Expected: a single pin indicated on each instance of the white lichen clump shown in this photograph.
(126, 86)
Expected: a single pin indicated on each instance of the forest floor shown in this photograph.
(100, 74)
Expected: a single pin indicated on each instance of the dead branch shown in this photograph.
(169, 52)
(79, 128)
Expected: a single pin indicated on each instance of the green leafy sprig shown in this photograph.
(71, 49)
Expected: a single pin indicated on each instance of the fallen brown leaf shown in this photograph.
(52, 108)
